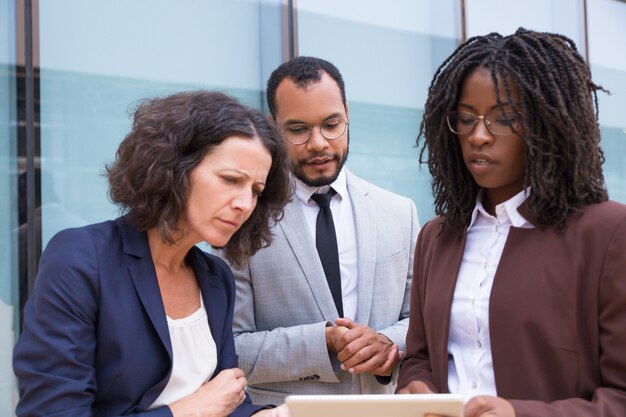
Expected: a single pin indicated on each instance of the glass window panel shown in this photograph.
(607, 55)
(99, 58)
(505, 16)
(387, 56)
(9, 227)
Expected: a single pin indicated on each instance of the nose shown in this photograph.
(317, 141)
(480, 135)
(245, 201)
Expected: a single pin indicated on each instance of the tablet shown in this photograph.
(387, 405)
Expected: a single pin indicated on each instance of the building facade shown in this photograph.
(71, 72)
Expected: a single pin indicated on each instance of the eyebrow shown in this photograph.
(243, 174)
(296, 121)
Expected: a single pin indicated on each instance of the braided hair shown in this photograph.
(558, 103)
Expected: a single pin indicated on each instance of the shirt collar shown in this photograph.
(304, 192)
(509, 207)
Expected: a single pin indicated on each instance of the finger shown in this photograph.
(362, 355)
(351, 335)
(282, 411)
(240, 384)
(346, 322)
(476, 406)
(236, 372)
(390, 364)
(416, 387)
(365, 363)
(358, 337)
(367, 366)
(228, 374)
(353, 348)
(377, 342)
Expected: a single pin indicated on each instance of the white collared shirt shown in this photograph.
(470, 366)
(343, 218)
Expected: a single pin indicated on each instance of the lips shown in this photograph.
(480, 165)
(479, 159)
(320, 160)
(233, 223)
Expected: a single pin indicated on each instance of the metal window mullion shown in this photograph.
(33, 229)
(585, 31)
(290, 30)
(462, 20)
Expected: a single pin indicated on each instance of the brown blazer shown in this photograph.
(557, 315)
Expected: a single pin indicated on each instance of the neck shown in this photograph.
(170, 257)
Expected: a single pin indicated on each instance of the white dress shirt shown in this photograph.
(343, 218)
(194, 356)
(470, 367)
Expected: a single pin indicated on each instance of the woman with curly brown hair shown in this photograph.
(519, 284)
(128, 317)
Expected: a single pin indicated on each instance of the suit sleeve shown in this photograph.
(398, 331)
(282, 354)
(416, 364)
(609, 400)
(227, 355)
(54, 358)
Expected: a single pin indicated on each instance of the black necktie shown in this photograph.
(326, 243)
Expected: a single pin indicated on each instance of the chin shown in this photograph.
(218, 242)
(318, 179)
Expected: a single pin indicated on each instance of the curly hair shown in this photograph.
(170, 136)
(558, 103)
(303, 71)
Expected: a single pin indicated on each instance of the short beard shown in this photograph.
(323, 180)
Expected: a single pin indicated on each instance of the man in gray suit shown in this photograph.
(296, 332)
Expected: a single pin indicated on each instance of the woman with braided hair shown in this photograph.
(519, 287)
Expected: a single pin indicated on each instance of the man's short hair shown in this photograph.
(303, 71)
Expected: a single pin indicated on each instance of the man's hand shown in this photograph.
(361, 349)
(488, 406)
(333, 335)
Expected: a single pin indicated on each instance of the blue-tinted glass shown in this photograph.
(607, 54)
(98, 59)
(387, 56)
(9, 226)
(505, 16)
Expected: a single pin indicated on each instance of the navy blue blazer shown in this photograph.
(95, 340)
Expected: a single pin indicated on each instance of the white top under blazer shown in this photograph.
(194, 356)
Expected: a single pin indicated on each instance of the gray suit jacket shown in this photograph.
(283, 301)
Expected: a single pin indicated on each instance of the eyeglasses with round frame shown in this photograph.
(499, 123)
(300, 133)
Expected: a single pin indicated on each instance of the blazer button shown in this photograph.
(310, 378)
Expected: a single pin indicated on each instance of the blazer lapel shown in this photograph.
(364, 215)
(296, 232)
(143, 274)
(214, 296)
(445, 264)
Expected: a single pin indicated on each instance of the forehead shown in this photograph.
(309, 104)
(479, 85)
